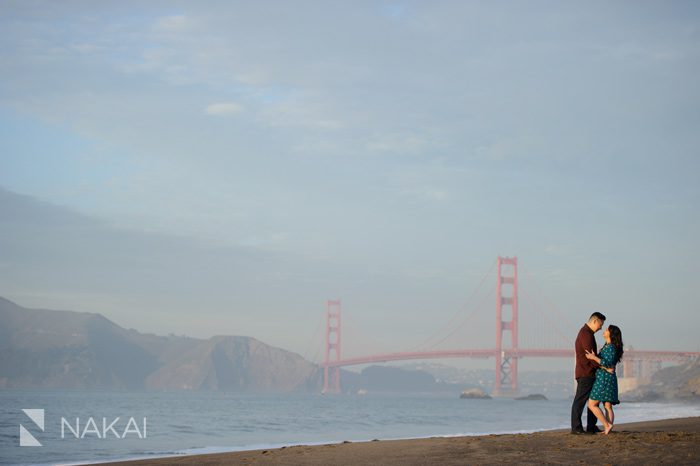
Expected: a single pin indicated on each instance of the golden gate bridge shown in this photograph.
(506, 352)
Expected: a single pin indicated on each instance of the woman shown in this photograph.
(605, 385)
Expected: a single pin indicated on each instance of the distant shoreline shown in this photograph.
(676, 441)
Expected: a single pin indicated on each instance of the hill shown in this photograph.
(236, 363)
(65, 349)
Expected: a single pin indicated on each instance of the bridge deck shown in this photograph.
(518, 353)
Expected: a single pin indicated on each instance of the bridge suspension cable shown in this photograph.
(315, 340)
(552, 306)
(466, 319)
(359, 336)
(460, 311)
(564, 340)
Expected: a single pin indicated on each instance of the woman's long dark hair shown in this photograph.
(616, 341)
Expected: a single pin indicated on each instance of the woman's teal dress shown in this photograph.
(605, 385)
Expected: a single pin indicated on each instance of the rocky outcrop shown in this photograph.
(475, 394)
(678, 383)
(532, 397)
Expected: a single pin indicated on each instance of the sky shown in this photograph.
(209, 168)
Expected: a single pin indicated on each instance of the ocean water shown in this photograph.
(179, 423)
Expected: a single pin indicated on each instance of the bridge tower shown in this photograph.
(331, 375)
(506, 321)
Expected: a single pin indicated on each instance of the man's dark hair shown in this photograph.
(598, 316)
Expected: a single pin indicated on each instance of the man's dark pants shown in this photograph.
(583, 390)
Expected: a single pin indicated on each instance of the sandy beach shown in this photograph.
(671, 441)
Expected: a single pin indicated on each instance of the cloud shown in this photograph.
(430, 193)
(223, 108)
(559, 250)
(435, 194)
(301, 110)
(398, 143)
(86, 48)
(172, 23)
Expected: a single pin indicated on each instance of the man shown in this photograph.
(585, 374)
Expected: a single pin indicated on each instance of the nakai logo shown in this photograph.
(102, 429)
(26, 439)
(93, 428)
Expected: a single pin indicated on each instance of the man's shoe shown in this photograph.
(594, 430)
(577, 431)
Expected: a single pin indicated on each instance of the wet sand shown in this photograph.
(671, 441)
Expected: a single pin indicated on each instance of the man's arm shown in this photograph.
(591, 356)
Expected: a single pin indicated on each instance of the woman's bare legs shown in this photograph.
(609, 412)
(593, 407)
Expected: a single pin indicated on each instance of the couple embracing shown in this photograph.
(596, 379)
